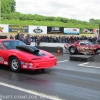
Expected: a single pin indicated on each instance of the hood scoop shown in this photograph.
(29, 49)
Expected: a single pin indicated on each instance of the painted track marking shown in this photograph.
(45, 96)
(62, 61)
(85, 65)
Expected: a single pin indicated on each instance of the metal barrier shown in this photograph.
(51, 49)
(97, 58)
(3, 37)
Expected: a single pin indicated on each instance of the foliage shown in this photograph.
(7, 6)
(9, 16)
(29, 19)
(94, 21)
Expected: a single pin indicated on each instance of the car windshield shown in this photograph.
(12, 44)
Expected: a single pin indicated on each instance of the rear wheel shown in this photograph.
(73, 50)
(15, 64)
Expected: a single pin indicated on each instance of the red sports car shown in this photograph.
(18, 55)
(82, 46)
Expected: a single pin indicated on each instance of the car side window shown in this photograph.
(82, 43)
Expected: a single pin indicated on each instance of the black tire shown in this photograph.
(43, 70)
(97, 52)
(40, 70)
(73, 50)
(15, 67)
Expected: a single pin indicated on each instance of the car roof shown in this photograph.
(83, 40)
(78, 41)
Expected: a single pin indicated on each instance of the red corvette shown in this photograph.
(82, 46)
(18, 55)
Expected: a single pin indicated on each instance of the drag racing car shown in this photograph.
(82, 46)
(18, 55)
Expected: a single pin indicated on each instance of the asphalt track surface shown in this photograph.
(69, 80)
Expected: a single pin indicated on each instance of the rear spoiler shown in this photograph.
(30, 49)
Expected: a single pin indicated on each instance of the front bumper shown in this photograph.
(45, 64)
(39, 65)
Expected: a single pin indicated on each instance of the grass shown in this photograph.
(49, 23)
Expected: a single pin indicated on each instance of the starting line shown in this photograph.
(62, 61)
(85, 65)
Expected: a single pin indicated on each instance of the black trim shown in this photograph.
(30, 49)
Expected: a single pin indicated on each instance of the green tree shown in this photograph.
(8, 6)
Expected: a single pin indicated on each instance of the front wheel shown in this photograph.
(73, 50)
(43, 70)
(15, 64)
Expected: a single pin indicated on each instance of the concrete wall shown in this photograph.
(50, 44)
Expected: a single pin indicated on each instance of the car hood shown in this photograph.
(26, 55)
(31, 52)
(95, 46)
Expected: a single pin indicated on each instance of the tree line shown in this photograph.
(10, 16)
(7, 6)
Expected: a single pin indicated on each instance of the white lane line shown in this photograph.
(0, 99)
(85, 65)
(42, 95)
(62, 61)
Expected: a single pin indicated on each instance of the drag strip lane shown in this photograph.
(71, 85)
(89, 67)
(11, 93)
(30, 94)
(66, 81)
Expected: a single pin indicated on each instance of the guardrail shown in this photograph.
(49, 44)
(50, 47)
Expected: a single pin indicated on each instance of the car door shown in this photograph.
(82, 47)
(1, 54)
